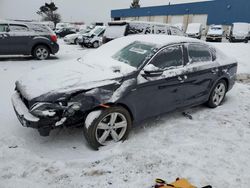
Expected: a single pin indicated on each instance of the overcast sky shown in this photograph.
(73, 10)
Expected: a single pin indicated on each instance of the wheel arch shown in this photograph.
(107, 105)
(40, 44)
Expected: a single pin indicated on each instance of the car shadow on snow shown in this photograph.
(74, 140)
(24, 58)
(74, 137)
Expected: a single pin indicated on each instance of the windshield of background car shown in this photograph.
(97, 31)
(193, 28)
(115, 31)
(135, 53)
(240, 28)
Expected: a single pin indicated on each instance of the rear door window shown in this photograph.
(199, 53)
(18, 28)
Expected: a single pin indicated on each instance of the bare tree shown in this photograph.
(48, 13)
(135, 4)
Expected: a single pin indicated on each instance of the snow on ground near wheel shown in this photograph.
(212, 148)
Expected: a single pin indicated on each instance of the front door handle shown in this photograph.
(215, 71)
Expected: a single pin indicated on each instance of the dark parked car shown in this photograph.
(27, 39)
(124, 82)
(65, 31)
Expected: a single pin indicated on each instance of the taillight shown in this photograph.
(53, 38)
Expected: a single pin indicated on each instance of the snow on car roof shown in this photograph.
(160, 40)
(136, 21)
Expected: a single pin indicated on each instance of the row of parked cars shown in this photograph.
(40, 41)
(238, 32)
(102, 34)
(95, 36)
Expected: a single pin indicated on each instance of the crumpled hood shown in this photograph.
(64, 77)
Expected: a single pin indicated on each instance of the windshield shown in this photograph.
(135, 54)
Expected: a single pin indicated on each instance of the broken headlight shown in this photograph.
(42, 109)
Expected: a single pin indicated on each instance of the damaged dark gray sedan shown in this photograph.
(122, 83)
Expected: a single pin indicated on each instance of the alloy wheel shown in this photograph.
(219, 93)
(111, 128)
(42, 53)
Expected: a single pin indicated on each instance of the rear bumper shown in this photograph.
(213, 38)
(235, 39)
(194, 36)
(54, 47)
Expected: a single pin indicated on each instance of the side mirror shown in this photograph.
(152, 71)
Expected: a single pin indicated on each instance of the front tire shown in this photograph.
(218, 94)
(96, 44)
(106, 126)
(41, 52)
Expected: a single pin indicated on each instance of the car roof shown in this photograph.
(161, 40)
(13, 22)
(139, 22)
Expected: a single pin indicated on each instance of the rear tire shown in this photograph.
(218, 94)
(106, 126)
(41, 52)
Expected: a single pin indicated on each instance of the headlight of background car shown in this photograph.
(45, 109)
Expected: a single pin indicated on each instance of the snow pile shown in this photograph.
(63, 77)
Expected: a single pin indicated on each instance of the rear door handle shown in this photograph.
(182, 79)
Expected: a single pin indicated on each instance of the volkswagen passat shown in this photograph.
(121, 83)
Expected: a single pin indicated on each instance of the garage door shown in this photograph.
(200, 18)
(143, 18)
(176, 19)
(160, 19)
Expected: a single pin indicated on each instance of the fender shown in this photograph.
(39, 40)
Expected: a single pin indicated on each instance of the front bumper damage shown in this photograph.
(43, 124)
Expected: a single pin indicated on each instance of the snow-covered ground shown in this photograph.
(212, 148)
